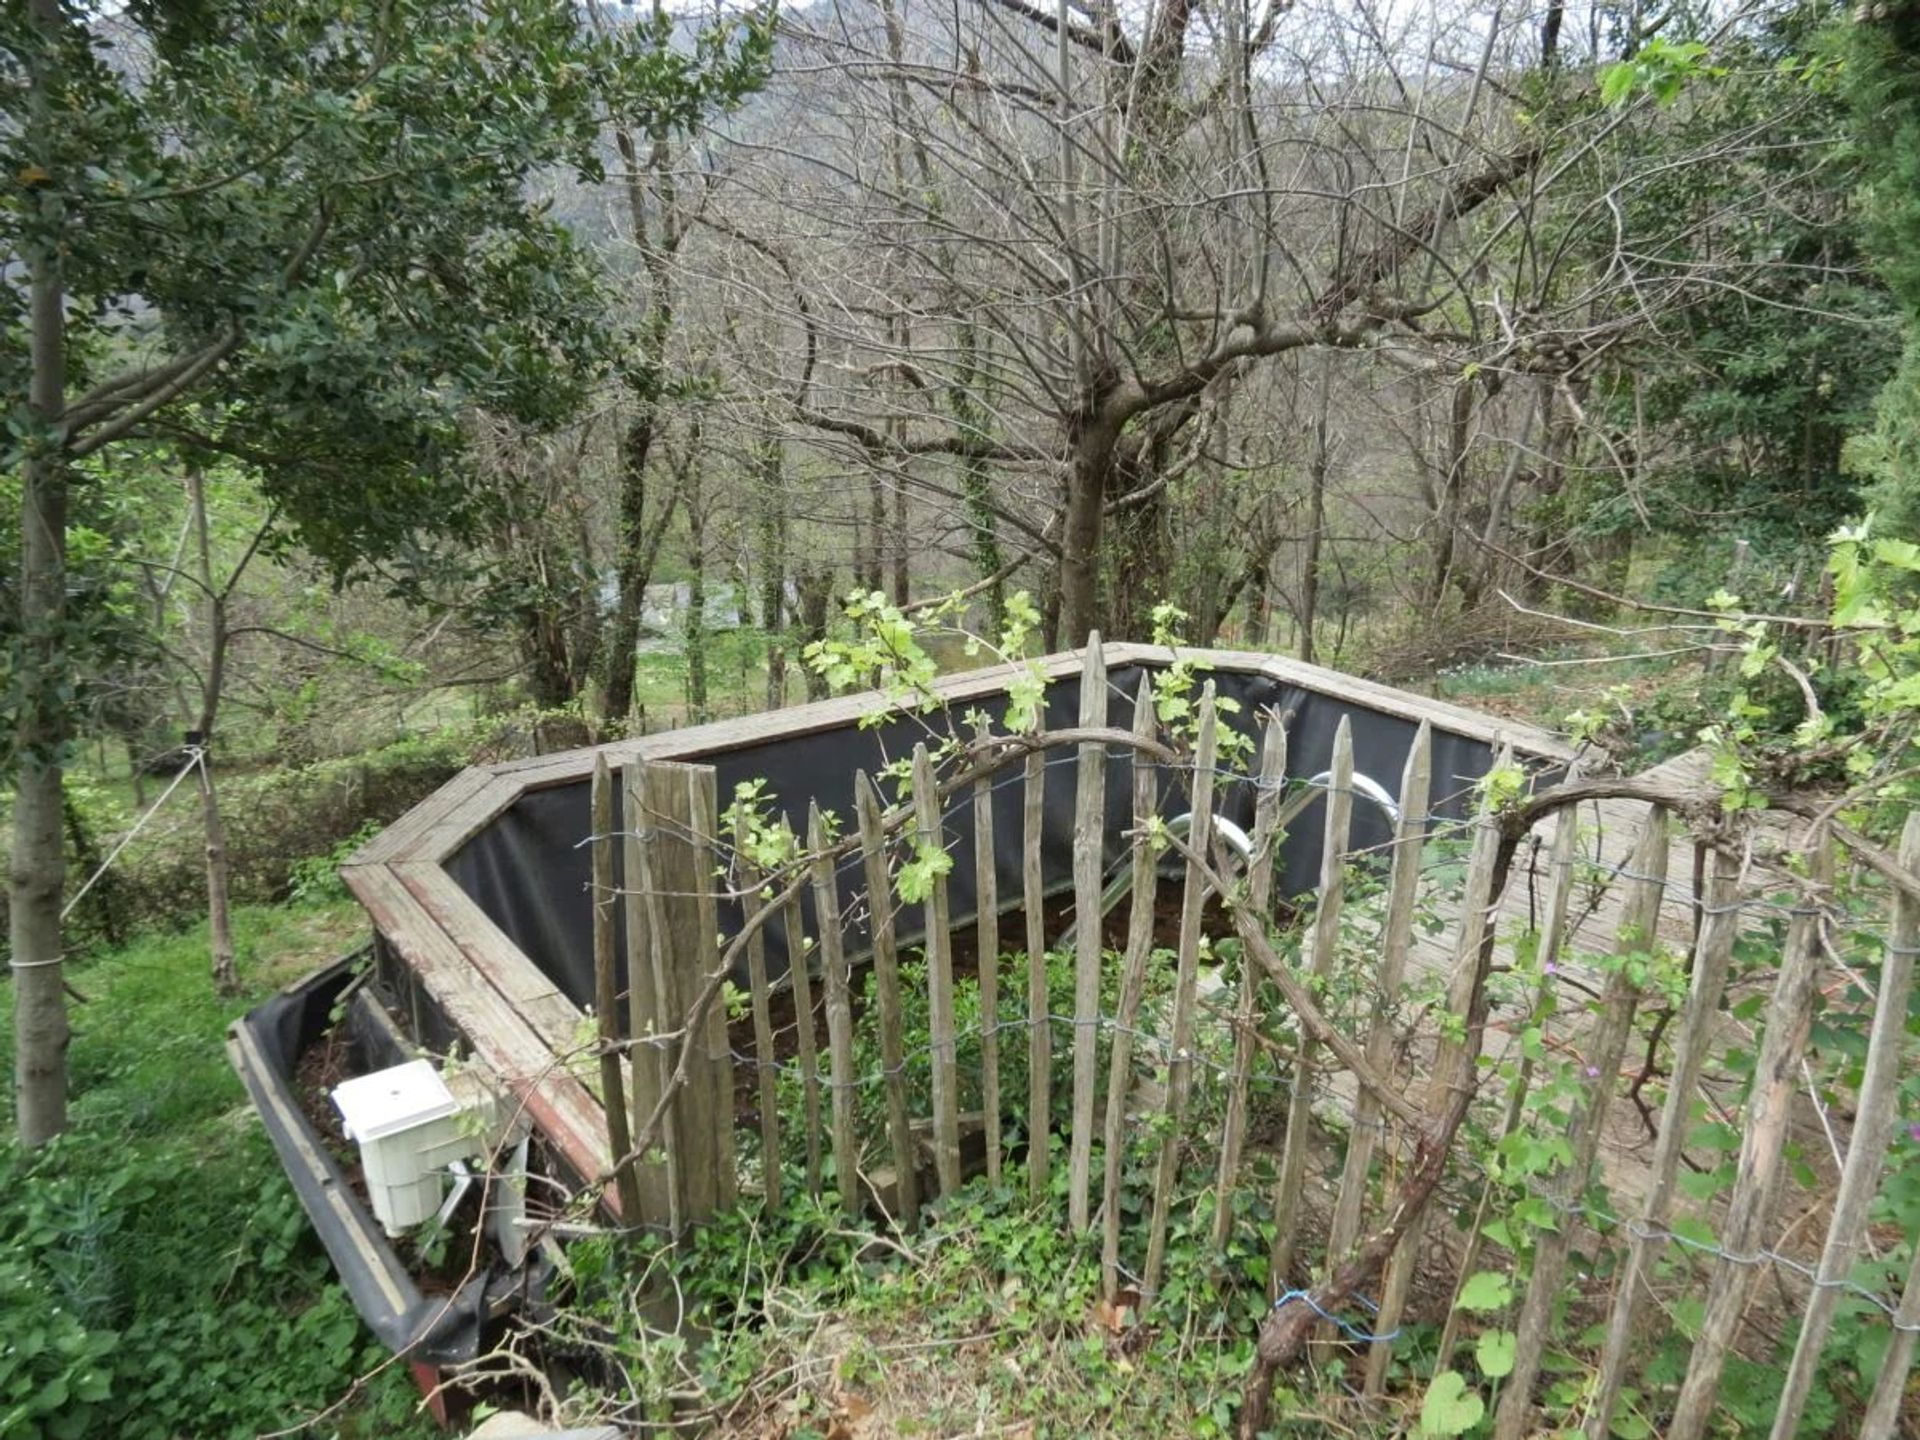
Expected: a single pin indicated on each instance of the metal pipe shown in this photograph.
(1238, 840)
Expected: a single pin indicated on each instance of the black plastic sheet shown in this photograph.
(530, 869)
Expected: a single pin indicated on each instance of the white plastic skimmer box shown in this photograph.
(411, 1128)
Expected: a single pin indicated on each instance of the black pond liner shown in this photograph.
(529, 872)
(265, 1046)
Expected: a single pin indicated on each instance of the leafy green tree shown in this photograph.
(1740, 403)
(312, 221)
(1882, 68)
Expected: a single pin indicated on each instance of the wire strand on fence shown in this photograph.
(1352, 1331)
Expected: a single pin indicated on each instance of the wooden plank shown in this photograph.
(500, 1037)
(703, 803)
(439, 841)
(833, 974)
(1269, 793)
(715, 737)
(718, 736)
(1762, 1150)
(398, 840)
(886, 990)
(766, 1058)
(986, 889)
(505, 967)
(946, 1073)
(1144, 887)
(1513, 1419)
(606, 987)
(1186, 984)
(1396, 943)
(1860, 1177)
(1089, 836)
(1712, 959)
(1039, 1004)
(1456, 1052)
(807, 1052)
(1323, 944)
(648, 1001)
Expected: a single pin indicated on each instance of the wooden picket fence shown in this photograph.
(668, 1066)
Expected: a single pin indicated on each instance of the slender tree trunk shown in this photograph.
(815, 593)
(639, 547)
(1479, 576)
(1081, 534)
(1316, 513)
(873, 563)
(772, 525)
(623, 627)
(38, 868)
(902, 592)
(226, 978)
(1452, 492)
(696, 596)
(976, 478)
(638, 537)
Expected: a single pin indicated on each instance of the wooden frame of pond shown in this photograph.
(1551, 886)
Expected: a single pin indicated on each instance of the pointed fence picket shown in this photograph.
(894, 1105)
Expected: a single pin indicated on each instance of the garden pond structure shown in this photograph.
(483, 948)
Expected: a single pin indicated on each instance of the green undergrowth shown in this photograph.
(988, 1319)
(157, 1276)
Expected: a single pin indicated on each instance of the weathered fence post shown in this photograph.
(1186, 978)
(1323, 945)
(1454, 1057)
(766, 1059)
(1396, 941)
(703, 795)
(1039, 1015)
(1756, 1182)
(807, 1040)
(1089, 826)
(1269, 790)
(1712, 958)
(677, 865)
(1639, 930)
(606, 994)
(986, 931)
(886, 992)
(1562, 857)
(946, 1073)
(1866, 1152)
(658, 1177)
(1146, 806)
(833, 975)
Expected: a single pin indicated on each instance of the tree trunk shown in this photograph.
(772, 524)
(226, 979)
(976, 479)
(38, 868)
(873, 571)
(902, 592)
(638, 539)
(1453, 481)
(696, 597)
(1081, 534)
(1316, 514)
(815, 591)
(1479, 576)
(639, 542)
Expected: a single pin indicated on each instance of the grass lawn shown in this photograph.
(157, 1276)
